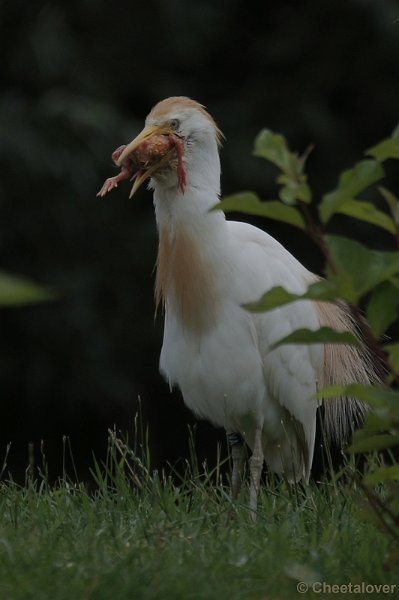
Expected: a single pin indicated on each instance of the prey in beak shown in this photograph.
(151, 150)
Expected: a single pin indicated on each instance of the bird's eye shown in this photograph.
(174, 124)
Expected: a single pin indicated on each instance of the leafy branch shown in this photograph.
(353, 271)
(354, 274)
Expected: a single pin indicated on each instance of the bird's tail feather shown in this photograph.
(343, 365)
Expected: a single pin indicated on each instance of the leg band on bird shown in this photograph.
(233, 437)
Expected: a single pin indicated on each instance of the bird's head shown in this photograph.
(178, 133)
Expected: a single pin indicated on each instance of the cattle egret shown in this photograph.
(214, 350)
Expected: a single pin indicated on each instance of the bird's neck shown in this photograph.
(192, 247)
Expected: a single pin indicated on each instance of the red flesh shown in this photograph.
(146, 154)
(181, 171)
(152, 150)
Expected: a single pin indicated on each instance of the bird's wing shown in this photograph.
(290, 371)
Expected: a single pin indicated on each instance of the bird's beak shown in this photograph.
(148, 132)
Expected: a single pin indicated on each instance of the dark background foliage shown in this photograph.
(78, 79)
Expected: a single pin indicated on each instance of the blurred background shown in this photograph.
(78, 79)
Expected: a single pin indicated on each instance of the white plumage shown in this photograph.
(214, 350)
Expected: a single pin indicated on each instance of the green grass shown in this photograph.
(143, 536)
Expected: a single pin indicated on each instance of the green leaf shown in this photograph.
(18, 291)
(359, 268)
(274, 147)
(385, 414)
(350, 184)
(296, 190)
(365, 211)
(388, 148)
(361, 176)
(323, 290)
(332, 391)
(374, 442)
(249, 203)
(393, 203)
(376, 422)
(385, 411)
(394, 281)
(393, 356)
(324, 335)
(381, 398)
(382, 308)
(382, 474)
(277, 296)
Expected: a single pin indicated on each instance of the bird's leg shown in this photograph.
(125, 173)
(255, 468)
(237, 454)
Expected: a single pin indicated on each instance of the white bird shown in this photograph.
(214, 350)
